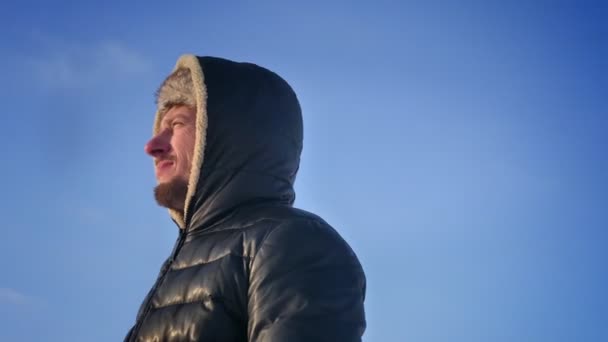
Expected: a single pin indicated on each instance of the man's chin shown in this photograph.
(171, 194)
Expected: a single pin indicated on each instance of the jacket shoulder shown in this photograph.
(260, 220)
(291, 225)
(306, 284)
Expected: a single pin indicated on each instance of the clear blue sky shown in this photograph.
(459, 147)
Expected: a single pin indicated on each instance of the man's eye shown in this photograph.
(177, 123)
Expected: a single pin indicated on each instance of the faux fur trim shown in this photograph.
(177, 89)
(200, 96)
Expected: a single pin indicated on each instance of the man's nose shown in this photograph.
(158, 145)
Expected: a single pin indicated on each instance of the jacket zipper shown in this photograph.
(148, 306)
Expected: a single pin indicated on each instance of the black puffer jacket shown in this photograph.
(247, 266)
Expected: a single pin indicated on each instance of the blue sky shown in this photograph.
(459, 147)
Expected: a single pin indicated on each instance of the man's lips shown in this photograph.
(163, 166)
(161, 163)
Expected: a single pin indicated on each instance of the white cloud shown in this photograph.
(10, 296)
(62, 64)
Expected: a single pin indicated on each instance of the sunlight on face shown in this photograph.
(172, 149)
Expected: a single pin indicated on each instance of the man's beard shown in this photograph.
(172, 194)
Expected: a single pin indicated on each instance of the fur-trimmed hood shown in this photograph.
(248, 138)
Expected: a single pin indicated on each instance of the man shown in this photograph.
(247, 266)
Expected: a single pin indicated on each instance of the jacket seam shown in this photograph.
(244, 227)
(207, 296)
(211, 261)
(216, 299)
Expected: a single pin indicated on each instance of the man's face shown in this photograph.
(172, 149)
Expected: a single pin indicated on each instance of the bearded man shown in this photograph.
(247, 265)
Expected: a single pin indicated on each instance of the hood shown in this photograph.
(248, 139)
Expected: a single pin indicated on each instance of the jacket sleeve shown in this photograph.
(306, 284)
